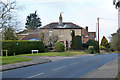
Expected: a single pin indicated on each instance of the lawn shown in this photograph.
(70, 53)
(18, 58)
(13, 59)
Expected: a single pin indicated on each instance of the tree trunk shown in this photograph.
(118, 16)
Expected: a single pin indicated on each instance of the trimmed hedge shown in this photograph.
(21, 47)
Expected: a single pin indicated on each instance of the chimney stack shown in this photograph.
(86, 30)
(60, 19)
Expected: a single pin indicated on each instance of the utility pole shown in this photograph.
(98, 33)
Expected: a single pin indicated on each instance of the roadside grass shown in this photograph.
(68, 53)
(13, 59)
(118, 78)
(18, 58)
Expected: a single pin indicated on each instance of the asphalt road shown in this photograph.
(68, 68)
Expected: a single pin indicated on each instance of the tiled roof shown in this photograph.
(25, 31)
(64, 25)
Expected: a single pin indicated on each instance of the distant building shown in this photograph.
(61, 29)
(87, 35)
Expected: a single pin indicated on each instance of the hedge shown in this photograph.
(22, 47)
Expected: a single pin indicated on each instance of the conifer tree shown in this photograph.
(73, 45)
(104, 41)
(33, 21)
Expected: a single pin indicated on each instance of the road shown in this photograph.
(67, 68)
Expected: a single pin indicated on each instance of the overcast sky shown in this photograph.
(80, 12)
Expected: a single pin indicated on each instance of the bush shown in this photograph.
(102, 48)
(84, 46)
(94, 44)
(59, 47)
(90, 50)
(22, 47)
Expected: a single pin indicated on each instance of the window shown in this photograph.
(50, 33)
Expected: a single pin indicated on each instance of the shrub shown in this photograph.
(22, 47)
(84, 46)
(102, 48)
(90, 50)
(59, 47)
(94, 44)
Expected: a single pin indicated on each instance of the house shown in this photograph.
(61, 29)
(87, 35)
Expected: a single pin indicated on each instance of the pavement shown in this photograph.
(108, 70)
(66, 68)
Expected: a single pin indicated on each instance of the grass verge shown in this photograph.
(70, 53)
(13, 59)
(118, 78)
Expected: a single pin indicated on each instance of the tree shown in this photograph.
(33, 21)
(53, 39)
(73, 44)
(117, 4)
(78, 42)
(42, 37)
(93, 43)
(7, 17)
(115, 40)
(9, 34)
(104, 41)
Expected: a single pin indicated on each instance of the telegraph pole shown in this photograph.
(98, 33)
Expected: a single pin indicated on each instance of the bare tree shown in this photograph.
(43, 36)
(7, 16)
(53, 39)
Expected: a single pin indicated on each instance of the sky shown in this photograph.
(80, 12)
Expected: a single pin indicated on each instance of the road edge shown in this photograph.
(47, 61)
